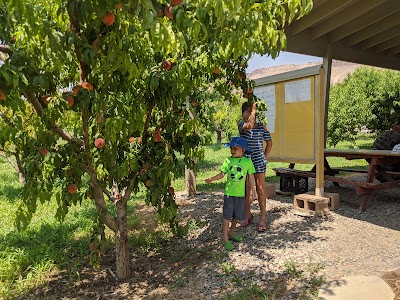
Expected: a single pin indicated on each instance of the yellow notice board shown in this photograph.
(295, 113)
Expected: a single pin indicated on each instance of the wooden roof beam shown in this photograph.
(387, 45)
(353, 11)
(392, 51)
(317, 14)
(380, 38)
(363, 21)
(373, 29)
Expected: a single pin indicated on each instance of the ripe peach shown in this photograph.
(76, 89)
(72, 188)
(167, 12)
(216, 71)
(157, 136)
(108, 19)
(194, 103)
(44, 151)
(87, 85)
(2, 95)
(148, 182)
(171, 190)
(132, 139)
(46, 99)
(167, 65)
(70, 101)
(118, 5)
(176, 2)
(92, 246)
(249, 91)
(99, 143)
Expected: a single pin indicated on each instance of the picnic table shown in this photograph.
(378, 162)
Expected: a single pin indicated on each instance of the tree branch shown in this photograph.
(8, 159)
(6, 119)
(128, 190)
(56, 129)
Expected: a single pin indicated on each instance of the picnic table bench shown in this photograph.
(377, 160)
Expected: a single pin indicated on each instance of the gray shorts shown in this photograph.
(234, 208)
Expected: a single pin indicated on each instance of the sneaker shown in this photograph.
(228, 246)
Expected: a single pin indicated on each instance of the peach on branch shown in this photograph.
(70, 100)
(76, 89)
(249, 91)
(99, 143)
(148, 182)
(72, 188)
(217, 71)
(92, 246)
(44, 151)
(157, 136)
(118, 6)
(108, 19)
(87, 85)
(3, 95)
(46, 99)
(132, 139)
(166, 65)
(167, 12)
(176, 2)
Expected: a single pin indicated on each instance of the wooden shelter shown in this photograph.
(359, 31)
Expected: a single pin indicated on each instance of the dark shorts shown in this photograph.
(234, 208)
(259, 161)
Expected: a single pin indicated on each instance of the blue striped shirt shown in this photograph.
(255, 138)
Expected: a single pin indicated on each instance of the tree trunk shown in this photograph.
(190, 182)
(219, 136)
(121, 244)
(20, 167)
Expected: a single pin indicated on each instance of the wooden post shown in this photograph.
(319, 133)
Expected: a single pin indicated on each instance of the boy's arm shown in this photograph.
(216, 177)
(251, 121)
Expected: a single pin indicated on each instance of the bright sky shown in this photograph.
(285, 58)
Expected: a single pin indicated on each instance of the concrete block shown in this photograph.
(270, 190)
(310, 205)
(333, 199)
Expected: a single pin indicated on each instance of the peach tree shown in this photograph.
(108, 82)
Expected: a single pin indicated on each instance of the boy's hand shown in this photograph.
(254, 107)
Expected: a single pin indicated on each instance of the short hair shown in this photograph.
(245, 106)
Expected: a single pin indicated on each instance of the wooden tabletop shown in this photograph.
(361, 153)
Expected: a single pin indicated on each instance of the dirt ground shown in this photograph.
(345, 243)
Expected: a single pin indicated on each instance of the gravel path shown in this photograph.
(347, 242)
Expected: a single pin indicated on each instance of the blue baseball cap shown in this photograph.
(239, 141)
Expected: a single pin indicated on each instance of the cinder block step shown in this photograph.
(310, 205)
(333, 200)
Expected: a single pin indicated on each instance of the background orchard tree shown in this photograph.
(369, 97)
(132, 65)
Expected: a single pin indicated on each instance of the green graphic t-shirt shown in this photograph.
(236, 169)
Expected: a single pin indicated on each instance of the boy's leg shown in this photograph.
(262, 199)
(226, 230)
(233, 227)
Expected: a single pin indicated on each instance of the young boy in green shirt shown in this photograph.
(237, 167)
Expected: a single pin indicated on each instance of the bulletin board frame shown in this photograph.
(295, 115)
